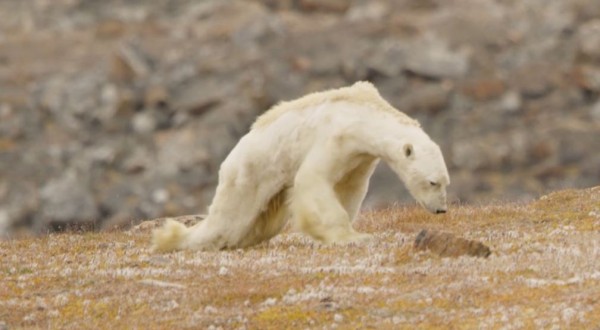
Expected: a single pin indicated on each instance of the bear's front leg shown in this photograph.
(318, 212)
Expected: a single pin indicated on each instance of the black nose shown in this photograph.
(440, 211)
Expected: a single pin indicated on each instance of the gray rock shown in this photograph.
(179, 151)
(585, 10)
(432, 57)
(67, 199)
(200, 95)
(5, 223)
(534, 80)
(388, 58)
(258, 30)
(324, 5)
(595, 111)
(137, 160)
(574, 147)
(426, 98)
(588, 76)
(510, 102)
(135, 61)
(368, 11)
(144, 123)
(469, 155)
(478, 24)
(589, 39)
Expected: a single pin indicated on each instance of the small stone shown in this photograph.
(388, 60)
(448, 245)
(41, 304)
(484, 89)
(397, 320)
(110, 29)
(5, 222)
(223, 271)
(568, 314)
(120, 70)
(587, 77)
(595, 111)
(29, 318)
(270, 302)
(144, 122)
(210, 309)
(510, 102)
(325, 5)
(199, 96)
(338, 318)
(589, 39)
(369, 11)
(160, 196)
(135, 58)
(103, 155)
(382, 312)
(137, 161)
(534, 80)
(156, 96)
(6, 110)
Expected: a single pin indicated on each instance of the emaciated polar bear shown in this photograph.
(311, 159)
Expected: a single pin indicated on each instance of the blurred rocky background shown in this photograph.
(116, 111)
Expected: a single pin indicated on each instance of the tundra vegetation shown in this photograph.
(543, 272)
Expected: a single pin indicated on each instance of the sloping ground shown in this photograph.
(543, 272)
(116, 110)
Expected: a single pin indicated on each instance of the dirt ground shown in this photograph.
(543, 273)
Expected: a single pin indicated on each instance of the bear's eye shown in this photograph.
(433, 184)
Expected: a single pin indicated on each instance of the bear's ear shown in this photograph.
(408, 150)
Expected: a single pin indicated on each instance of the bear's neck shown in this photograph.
(385, 138)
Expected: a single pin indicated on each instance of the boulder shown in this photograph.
(449, 245)
(431, 57)
(67, 200)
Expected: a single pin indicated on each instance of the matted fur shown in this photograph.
(310, 161)
(362, 92)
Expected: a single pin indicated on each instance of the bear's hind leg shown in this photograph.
(233, 214)
(270, 221)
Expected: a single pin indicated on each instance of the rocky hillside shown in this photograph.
(115, 111)
(542, 273)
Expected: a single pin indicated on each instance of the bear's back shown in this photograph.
(362, 93)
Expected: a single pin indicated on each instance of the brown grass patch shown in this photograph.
(543, 272)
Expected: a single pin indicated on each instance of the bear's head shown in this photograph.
(421, 166)
(426, 175)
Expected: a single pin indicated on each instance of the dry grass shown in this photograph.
(544, 273)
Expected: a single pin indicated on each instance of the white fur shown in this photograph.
(312, 159)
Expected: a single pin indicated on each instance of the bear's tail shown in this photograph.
(169, 237)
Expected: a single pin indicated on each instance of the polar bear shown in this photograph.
(310, 160)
